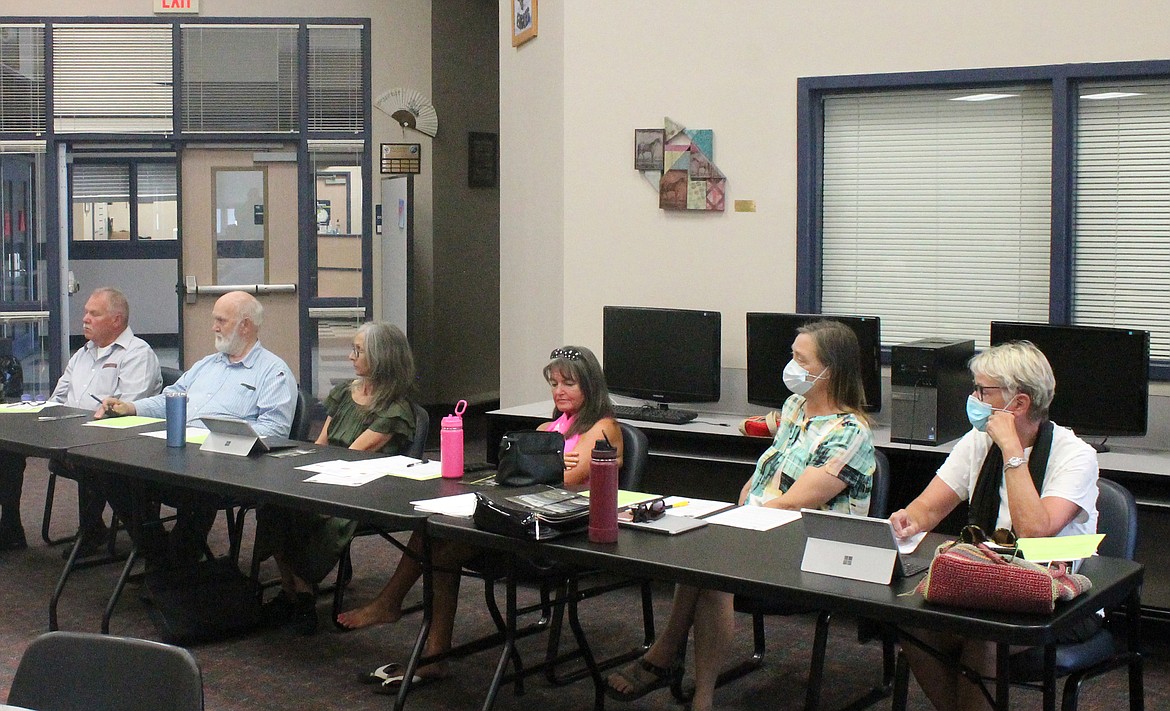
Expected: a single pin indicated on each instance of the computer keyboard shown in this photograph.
(654, 414)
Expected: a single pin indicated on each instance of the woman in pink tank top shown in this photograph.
(583, 412)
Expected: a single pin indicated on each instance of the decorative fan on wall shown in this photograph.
(410, 109)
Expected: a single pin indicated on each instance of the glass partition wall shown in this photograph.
(24, 309)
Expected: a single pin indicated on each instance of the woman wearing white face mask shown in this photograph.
(1018, 471)
(822, 457)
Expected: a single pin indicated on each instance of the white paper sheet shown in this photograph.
(462, 505)
(351, 478)
(756, 518)
(910, 544)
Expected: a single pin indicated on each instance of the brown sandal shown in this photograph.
(641, 677)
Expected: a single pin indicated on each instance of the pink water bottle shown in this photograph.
(451, 443)
(603, 493)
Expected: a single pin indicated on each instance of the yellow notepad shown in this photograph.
(123, 423)
(1039, 550)
(629, 498)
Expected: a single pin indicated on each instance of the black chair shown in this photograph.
(758, 607)
(635, 458)
(560, 589)
(1110, 648)
(64, 671)
(417, 448)
(169, 377)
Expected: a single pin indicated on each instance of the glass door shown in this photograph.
(247, 201)
(24, 311)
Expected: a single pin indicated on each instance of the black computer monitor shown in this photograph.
(1102, 374)
(769, 348)
(664, 355)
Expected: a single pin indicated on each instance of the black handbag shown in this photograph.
(508, 517)
(530, 457)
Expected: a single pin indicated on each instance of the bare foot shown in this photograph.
(368, 615)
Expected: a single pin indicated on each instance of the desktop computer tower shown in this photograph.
(930, 384)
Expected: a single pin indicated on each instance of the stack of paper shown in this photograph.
(356, 473)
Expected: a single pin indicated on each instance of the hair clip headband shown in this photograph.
(565, 354)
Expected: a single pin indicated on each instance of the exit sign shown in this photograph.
(185, 7)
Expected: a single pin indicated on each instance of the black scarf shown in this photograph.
(984, 509)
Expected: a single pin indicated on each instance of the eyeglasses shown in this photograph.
(981, 389)
(565, 354)
(1000, 536)
(356, 351)
(649, 511)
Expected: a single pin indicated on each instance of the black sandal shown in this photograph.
(642, 677)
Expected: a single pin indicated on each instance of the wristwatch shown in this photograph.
(1014, 462)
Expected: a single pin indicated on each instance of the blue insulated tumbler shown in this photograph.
(176, 419)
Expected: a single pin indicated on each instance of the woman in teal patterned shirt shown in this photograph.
(822, 457)
(371, 413)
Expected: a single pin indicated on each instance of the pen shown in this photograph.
(677, 504)
(424, 460)
(109, 408)
(250, 387)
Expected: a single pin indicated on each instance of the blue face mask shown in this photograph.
(979, 412)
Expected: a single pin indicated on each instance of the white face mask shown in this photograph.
(799, 380)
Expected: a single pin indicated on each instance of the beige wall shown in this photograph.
(581, 229)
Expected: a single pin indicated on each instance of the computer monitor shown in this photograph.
(769, 348)
(1102, 374)
(664, 355)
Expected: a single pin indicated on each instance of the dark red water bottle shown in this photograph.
(603, 493)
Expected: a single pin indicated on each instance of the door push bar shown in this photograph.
(16, 316)
(193, 290)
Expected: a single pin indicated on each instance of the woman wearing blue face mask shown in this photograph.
(1019, 471)
(822, 457)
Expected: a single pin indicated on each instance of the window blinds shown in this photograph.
(936, 212)
(112, 79)
(101, 183)
(240, 79)
(22, 78)
(157, 181)
(1121, 267)
(335, 79)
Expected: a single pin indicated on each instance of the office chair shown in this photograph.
(1110, 648)
(169, 377)
(559, 588)
(758, 607)
(422, 426)
(64, 671)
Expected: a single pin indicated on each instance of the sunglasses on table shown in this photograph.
(648, 511)
(1002, 537)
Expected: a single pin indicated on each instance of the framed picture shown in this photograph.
(648, 144)
(523, 21)
(482, 150)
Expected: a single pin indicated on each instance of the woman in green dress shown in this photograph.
(372, 413)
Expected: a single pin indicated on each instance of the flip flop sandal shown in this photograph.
(642, 677)
(391, 686)
(381, 674)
